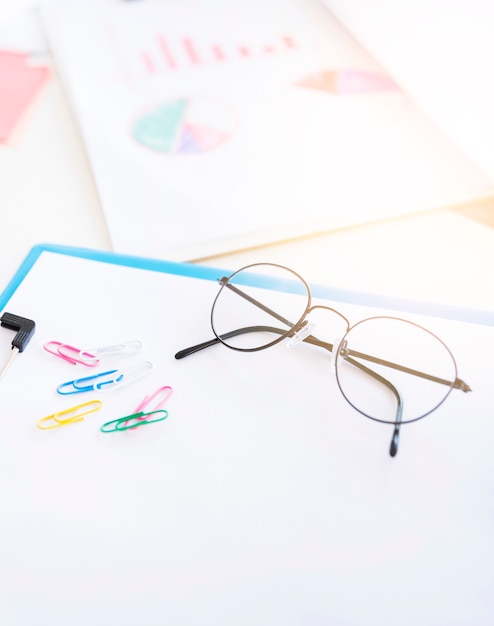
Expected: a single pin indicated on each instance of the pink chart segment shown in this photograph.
(348, 82)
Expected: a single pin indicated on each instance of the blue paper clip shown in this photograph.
(105, 381)
(134, 421)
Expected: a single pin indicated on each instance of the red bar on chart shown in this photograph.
(168, 56)
(148, 63)
(191, 51)
(218, 52)
(288, 41)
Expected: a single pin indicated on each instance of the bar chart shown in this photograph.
(163, 53)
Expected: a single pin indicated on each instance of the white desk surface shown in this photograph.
(48, 195)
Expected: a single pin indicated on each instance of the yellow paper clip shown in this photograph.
(70, 416)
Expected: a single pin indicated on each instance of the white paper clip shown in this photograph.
(127, 348)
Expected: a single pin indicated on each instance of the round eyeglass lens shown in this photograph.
(392, 370)
(258, 306)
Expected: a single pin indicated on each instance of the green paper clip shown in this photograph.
(133, 421)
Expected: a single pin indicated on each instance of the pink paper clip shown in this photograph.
(163, 393)
(92, 356)
(161, 396)
(70, 354)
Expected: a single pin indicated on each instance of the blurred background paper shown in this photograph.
(441, 53)
(212, 127)
(20, 28)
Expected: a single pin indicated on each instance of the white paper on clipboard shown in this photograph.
(262, 498)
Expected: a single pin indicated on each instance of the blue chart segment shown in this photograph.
(185, 126)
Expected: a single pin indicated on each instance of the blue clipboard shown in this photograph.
(463, 314)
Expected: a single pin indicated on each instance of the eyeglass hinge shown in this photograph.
(460, 384)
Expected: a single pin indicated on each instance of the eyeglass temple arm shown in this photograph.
(255, 302)
(457, 383)
(248, 329)
(313, 340)
(393, 448)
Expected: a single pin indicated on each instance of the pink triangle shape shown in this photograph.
(356, 81)
(207, 138)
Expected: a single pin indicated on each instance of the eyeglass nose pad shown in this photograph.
(339, 344)
(302, 333)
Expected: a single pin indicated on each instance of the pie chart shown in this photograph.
(185, 126)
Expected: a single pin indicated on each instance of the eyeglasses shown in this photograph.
(389, 369)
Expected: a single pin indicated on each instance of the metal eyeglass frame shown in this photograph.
(301, 329)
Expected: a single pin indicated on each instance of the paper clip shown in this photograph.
(105, 381)
(70, 416)
(162, 394)
(92, 356)
(134, 421)
(165, 392)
